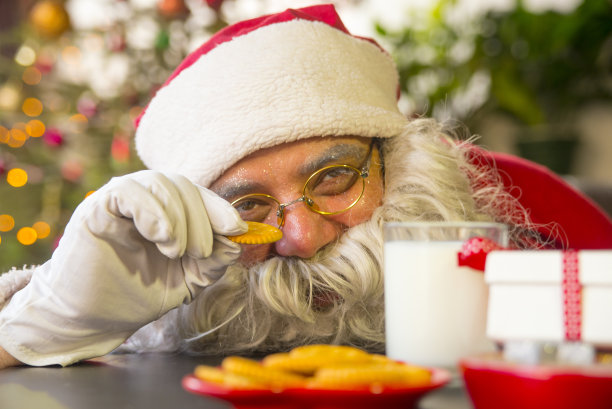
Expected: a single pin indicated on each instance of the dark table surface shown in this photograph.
(139, 381)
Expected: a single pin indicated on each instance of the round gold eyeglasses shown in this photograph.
(330, 190)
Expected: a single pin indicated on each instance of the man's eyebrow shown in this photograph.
(337, 154)
(235, 190)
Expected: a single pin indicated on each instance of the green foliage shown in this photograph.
(540, 66)
(545, 65)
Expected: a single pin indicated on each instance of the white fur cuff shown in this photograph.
(13, 281)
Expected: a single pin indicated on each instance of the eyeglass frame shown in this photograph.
(280, 212)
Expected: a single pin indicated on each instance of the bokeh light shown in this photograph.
(25, 56)
(15, 143)
(72, 55)
(79, 122)
(7, 222)
(32, 107)
(4, 134)
(26, 236)
(18, 136)
(9, 96)
(71, 170)
(17, 177)
(31, 76)
(42, 229)
(120, 150)
(35, 128)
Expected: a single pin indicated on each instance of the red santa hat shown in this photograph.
(262, 82)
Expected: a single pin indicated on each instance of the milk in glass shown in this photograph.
(435, 311)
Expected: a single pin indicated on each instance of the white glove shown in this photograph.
(138, 247)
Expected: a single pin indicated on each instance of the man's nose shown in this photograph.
(305, 232)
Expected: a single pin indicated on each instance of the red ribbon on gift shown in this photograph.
(474, 252)
(572, 296)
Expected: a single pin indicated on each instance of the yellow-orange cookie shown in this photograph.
(267, 376)
(344, 351)
(391, 374)
(258, 233)
(307, 359)
(227, 379)
(316, 367)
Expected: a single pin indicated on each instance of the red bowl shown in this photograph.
(404, 398)
(493, 383)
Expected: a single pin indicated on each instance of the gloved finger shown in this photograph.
(200, 273)
(198, 226)
(149, 199)
(106, 211)
(164, 190)
(224, 219)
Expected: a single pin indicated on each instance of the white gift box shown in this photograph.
(550, 296)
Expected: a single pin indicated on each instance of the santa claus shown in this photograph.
(289, 120)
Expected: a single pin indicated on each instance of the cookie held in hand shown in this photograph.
(258, 233)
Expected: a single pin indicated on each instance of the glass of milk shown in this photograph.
(435, 311)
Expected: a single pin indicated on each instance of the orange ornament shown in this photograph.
(50, 18)
(172, 8)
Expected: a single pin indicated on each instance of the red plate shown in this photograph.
(404, 398)
(496, 384)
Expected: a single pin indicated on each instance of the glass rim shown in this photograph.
(438, 224)
(438, 231)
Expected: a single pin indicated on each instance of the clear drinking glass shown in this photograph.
(435, 311)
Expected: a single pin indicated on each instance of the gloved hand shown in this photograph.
(138, 247)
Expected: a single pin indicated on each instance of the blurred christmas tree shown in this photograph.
(68, 99)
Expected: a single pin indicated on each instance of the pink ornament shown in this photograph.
(72, 170)
(120, 150)
(44, 64)
(214, 4)
(115, 42)
(53, 137)
(87, 107)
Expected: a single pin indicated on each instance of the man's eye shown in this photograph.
(245, 205)
(253, 209)
(333, 181)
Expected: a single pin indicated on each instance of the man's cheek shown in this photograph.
(363, 210)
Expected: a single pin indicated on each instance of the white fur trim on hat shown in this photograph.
(280, 83)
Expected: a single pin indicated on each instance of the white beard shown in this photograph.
(334, 297)
(273, 305)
